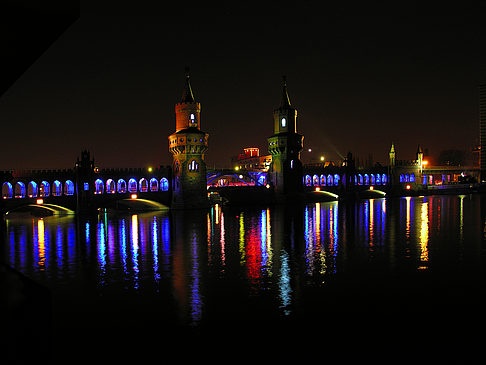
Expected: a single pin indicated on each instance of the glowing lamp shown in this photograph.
(371, 187)
(40, 201)
(425, 163)
(322, 158)
(267, 186)
(407, 187)
(133, 196)
(150, 169)
(318, 188)
(236, 168)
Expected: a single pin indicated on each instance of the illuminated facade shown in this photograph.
(188, 146)
(285, 146)
(251, 160)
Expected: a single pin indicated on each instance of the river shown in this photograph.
(365, 268)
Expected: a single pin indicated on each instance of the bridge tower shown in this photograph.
(285, 146)
(188, 145)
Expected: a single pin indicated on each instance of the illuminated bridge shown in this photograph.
(84, 187)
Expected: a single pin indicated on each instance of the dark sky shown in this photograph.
(360, 76)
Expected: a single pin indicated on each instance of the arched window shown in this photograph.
(384, 179)
(424, 179)
(315, 180)
(154, 184)
(336, 179)
(360, 179)
(407, 178)
(193, 166)
(68, 187)
(56, 188)
(20, 190)
(7, 190)
(412, 177)
(323, 180)
(330, 181)
(99, 186)
(308, 180)
(44, 189)
(143, 185)
(132, 186)
(164, 184)
(32, 190)
(402, 178)
(372, 179)
(378, 179)
(121, 186)
(110, 186)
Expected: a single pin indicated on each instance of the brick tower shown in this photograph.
(285, 146)
(188, 145)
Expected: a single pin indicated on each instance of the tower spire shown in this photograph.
(187, 95)
(285, 96)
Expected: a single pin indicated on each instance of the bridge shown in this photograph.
(84, 187)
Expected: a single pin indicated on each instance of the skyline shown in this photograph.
(358, 80)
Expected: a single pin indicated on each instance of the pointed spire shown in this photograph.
(419, 149)
(187, 95)
(392, 150)
(285, 96)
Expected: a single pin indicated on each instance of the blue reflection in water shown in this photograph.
(101, 251)
(285, 289)
(195, 299)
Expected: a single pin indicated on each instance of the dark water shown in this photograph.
(372, 272)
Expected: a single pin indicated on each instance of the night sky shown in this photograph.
(360, 76)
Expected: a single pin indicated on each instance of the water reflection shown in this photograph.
(190, 258)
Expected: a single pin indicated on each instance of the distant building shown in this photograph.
(482, 131)
(251, 160)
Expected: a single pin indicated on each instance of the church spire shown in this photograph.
(285, 96)
(187, 95)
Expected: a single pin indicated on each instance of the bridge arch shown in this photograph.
(7, 190)
(315, 180)
(336, 179)
(164, 184)
(121, 186)
(56, 188)
(143, 185)
(44, 189)
(32, 190)
(110, 186)
(132, 185)
(68, 187)
(19, 189)
(154, 184)
(99, 186)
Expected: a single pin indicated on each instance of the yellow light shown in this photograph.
(133, 196)
(407, 187)
(318, 188)
(267, 186)
(40, 201)
(150, 169)
(236, 168)
(371, 187)
(322, 158)
(425, 163)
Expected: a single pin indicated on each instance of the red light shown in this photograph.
(407, 187)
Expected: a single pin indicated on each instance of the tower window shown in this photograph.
(193, 166)
(283, 122)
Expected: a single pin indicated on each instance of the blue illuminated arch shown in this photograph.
(330, 181)
(308, 180)
(154, 184)
(56, 188)
(32, 190)
(143, 185)
(366, 179)
(99, 186)
(372, 179)
(7, 190)
(20, 190)
(121, 186)
(323, 180)
(378, 179)
(360, 179)
(44, 189)
(69, 187)
(164, 184)
(315, 180)
(336, 179)
(384, 179)
(132, 185)
(402, 178)
(110, 186)
(412, 177)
